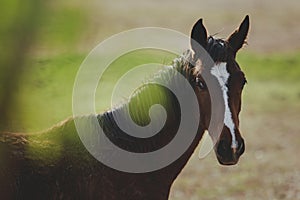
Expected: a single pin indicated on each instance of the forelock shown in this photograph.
(217, 49)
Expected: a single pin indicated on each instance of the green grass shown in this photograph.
(273, 81)
(44, 97)
(283, 68)
(45, 93)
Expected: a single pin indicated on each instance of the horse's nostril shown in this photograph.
(241, 148)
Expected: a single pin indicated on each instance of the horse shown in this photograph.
(54, 164)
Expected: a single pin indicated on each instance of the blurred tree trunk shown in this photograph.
(18, 30)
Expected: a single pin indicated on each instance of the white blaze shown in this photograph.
(220, 72)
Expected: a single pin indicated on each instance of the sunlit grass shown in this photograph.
(282, 68)
(273, 81)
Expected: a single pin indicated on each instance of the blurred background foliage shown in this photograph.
(31, 34)
(42, 44)
(18, 27)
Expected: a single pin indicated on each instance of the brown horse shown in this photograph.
(55, 165)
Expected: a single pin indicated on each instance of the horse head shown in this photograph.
(226, 71)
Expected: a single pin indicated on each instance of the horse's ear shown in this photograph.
(198, 36)
(238, 37)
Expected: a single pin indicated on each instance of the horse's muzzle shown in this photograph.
(227, 155)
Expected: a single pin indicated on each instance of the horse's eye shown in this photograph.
(200, 83)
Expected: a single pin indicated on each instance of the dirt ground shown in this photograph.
(275, 25)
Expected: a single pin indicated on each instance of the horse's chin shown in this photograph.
(227, 162)
(227, 159)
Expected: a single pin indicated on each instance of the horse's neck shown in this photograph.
(136, 114)
(179, 164)
(138, 108)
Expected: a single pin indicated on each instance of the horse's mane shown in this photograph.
(140, 102)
